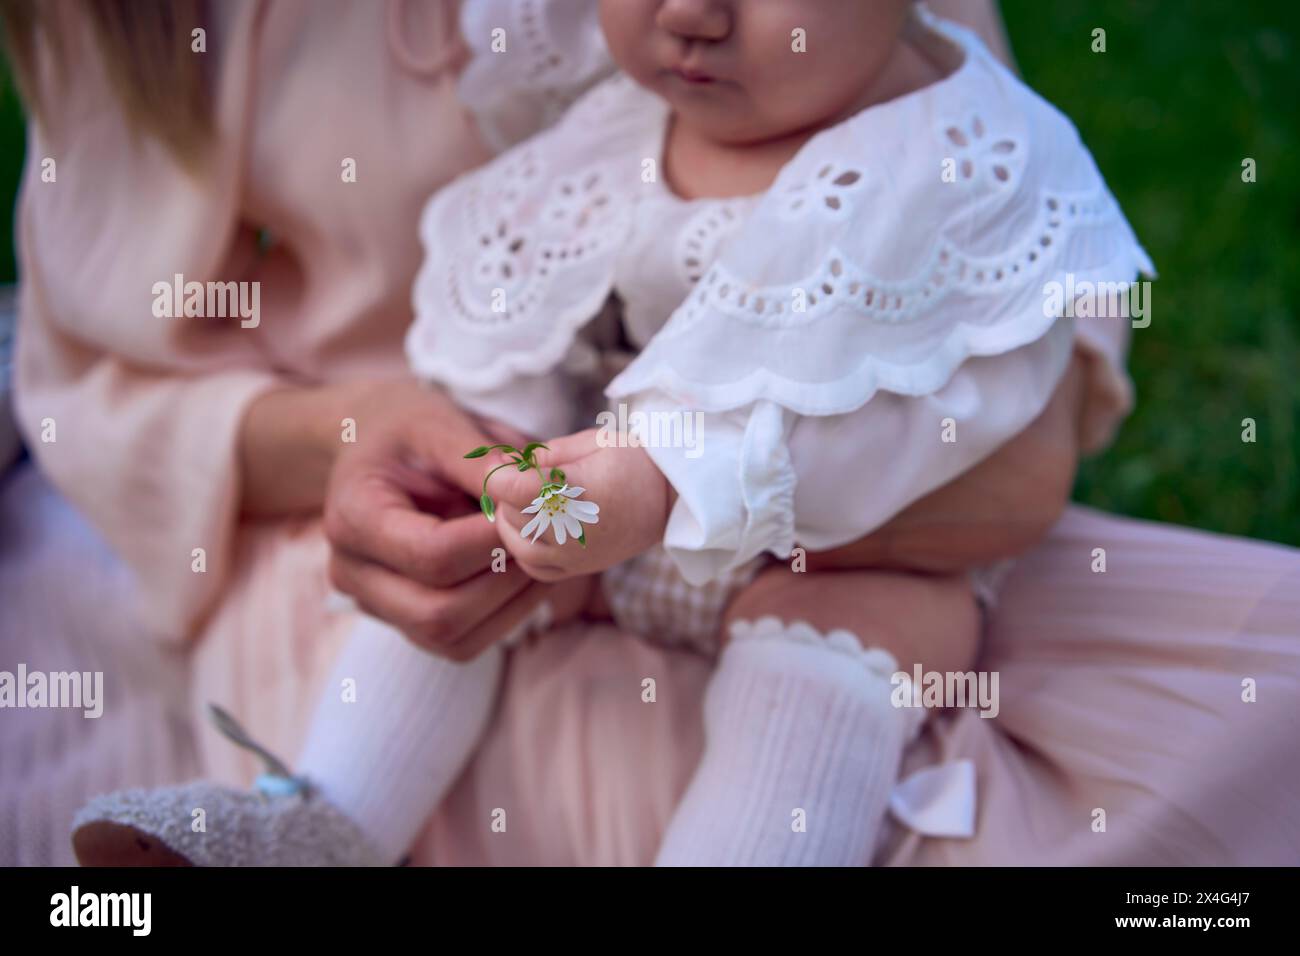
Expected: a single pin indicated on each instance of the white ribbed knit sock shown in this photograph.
(387, 758)
(802, 749)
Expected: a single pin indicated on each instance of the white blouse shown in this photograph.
(868, 328)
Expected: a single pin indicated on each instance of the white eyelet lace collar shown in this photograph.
(521, 253)
(919, 233)
(895, 245)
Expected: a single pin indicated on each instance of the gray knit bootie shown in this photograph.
(282, 822)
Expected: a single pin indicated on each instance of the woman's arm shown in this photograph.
(291, 437)
(983, 17)
(288, 441)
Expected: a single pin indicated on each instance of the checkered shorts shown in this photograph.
(648, 595)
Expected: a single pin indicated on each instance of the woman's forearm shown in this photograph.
(292, 438)
(287, 445)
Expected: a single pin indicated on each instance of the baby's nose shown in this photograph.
(697, 19)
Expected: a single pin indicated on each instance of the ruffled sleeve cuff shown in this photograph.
(735, 485)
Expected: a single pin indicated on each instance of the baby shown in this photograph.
(821, 231)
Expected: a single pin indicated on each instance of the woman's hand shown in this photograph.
(632, 495)
(408, 543)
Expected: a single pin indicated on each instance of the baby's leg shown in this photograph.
(927, 619)
(393, 730)
(802, 741)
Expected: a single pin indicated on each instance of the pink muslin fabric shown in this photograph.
(1113, 685)
(147, 408)
(1120, 691)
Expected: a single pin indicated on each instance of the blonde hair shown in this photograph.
(145, 49)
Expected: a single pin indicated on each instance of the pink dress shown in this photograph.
(1121, 691)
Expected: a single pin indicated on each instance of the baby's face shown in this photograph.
(731, 68)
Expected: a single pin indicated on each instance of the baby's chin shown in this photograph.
(729, 126)
(721, 112)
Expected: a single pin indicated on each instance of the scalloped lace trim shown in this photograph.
(876, 660)
(854, 389)
(839, 282)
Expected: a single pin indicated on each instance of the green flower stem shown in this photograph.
(519, 458)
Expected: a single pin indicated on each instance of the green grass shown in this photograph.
(12, 142)
(1183, 93)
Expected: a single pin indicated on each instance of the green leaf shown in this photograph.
(582, 537)
(532, 446)
(557, 475)
(524, 466)
(482, 450)
(488, 507)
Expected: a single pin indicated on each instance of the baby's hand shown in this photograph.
(613, 500)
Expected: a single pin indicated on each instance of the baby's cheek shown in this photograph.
(810, 60)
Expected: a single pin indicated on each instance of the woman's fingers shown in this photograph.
(499, 624)
(543, 560)
(453, 551)
(370, 517)
(567, 600)
(434, 618)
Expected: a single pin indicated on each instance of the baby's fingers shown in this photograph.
(511, 486)
(542, 559)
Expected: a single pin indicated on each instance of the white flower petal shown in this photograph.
(583, 509)
(573, 527)
(571, 492)
(532, 509)
(558, 525)
(527, 529)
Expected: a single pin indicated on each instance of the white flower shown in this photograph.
(559, 508)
